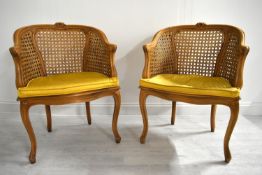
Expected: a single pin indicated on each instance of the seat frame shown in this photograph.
(28, 102)
(232, 103)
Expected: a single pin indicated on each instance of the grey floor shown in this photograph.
(77, 148)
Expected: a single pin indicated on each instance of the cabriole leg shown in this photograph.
(24, 110)
(142, 103)
(234, 108)
(117, 99)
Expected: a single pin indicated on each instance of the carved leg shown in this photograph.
(173, 116)
(117, 99)
(142, 103)
(234, 108)
(213, 117)
(88, 113)
(49, 118)
(24, 110)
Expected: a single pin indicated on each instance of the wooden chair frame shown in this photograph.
(232, 103)
(21, 81)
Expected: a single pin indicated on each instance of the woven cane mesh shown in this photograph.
(197, 51)
(30, 62)
(62, 50)
(186, 52)
(96, 55)
(229, 64)
(163, 57)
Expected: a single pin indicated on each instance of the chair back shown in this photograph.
(56, 49)
(207, 50)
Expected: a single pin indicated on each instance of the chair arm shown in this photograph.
(239, 74)
(18, 75)
(100, 54)
(26, 68)
(112, 49)
(231, 67)
(159, 58)
(148, 48)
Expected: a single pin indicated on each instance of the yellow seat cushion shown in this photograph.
(67, 84)
(191, 84)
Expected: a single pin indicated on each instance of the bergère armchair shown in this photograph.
(59, 64)
(199, 64)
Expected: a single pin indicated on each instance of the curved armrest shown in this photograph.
(99, 54)
(147, 50)
(239, 74)
(231, 67)
(112, 49)
(18, 74)
(26, 68)
(159, 56)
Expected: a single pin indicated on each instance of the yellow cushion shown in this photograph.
(67, 84)
(191, 84)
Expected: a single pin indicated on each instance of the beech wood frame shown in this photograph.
(26, 103)
(232, 103)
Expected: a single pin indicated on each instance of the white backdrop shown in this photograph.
(130, 24)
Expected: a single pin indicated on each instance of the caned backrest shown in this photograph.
(56, 49)
(207, 50)
(61, 51)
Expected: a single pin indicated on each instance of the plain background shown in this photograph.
(130, 24)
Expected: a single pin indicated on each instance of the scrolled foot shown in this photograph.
(118, 139)
(228, 159)
(142, 140)
(32, 158)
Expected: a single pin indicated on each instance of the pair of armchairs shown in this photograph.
(59, 64)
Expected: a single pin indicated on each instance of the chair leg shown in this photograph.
(49, 118)
(24, 110)
(213, 117)
(117, 99)
(234, 108)
(142, 103)
(88, 113)
(173, 116)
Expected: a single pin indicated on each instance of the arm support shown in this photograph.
(27, 66)
(160, 57)
(239, 78)
(99, 54)
(18, 75)
(231, 64)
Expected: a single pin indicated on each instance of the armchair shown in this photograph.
(199, 64)
(60, 64)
